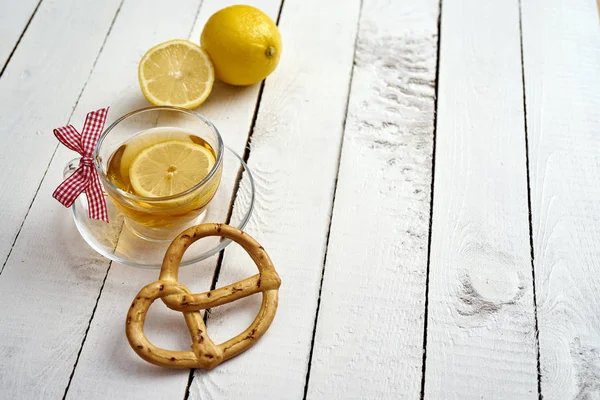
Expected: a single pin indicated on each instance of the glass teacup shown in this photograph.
(157, 217)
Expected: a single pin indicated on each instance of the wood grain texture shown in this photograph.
(37, 93)
(13, 20)
(294, 156)
(106, 355)
(561, 50)
(369, 338)
(481, 326)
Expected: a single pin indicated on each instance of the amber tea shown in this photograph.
(169, 171)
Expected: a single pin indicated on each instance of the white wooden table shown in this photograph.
(428, 182)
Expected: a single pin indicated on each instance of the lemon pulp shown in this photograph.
(176, 73)
(169, 168)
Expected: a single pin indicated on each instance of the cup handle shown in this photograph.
(71, 167)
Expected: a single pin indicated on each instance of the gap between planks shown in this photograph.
(529, 216)
(87, 329)
(19, 40)
(433, 149)
(339, 159)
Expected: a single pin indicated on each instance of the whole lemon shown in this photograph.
(243, 43)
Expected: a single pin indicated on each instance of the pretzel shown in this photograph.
(205, 354)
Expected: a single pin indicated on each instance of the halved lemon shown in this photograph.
(169, 168)
(176, 73)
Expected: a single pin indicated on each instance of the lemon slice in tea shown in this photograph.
(150, 137)
(176, 73)
(169, 168)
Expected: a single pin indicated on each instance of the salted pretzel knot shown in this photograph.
(205, 353)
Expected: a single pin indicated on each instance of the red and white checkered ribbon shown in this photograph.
(85, 178)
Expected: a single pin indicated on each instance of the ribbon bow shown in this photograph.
(85, 178)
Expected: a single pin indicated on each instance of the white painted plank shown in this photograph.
(106, 356)
(561, 51)
(13, 20)
(369, 338)
(481, 326)
(294, 156)
(37, 92)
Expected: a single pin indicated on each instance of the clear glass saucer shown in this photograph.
(117, 242)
